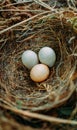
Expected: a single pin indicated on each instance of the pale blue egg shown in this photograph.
(47, 56)
(29, 59)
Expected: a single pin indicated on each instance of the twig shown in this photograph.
(43, 4)
(74, 112)
(41, 116)
(17, 10)
(24, 21)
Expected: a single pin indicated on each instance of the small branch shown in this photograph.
(40, 116)
(43, 4)
(17, 10)
(22, 22)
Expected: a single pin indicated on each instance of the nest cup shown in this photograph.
(17, 89)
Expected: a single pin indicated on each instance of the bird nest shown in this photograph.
(57, 30)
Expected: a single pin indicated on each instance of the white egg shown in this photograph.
(39, 73)
(29, 59)
(47, 56)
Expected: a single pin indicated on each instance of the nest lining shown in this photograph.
(53, 30)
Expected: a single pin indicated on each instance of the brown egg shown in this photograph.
(39, 73)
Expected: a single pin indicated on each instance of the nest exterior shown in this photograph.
(56, 30)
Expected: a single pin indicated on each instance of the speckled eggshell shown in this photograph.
(39, 73)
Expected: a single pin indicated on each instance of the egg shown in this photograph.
(47, 56)
(29, 58)
(39, 73)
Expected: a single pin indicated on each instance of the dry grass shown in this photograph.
(33, 26)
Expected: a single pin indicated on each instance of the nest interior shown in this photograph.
(56, 30)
